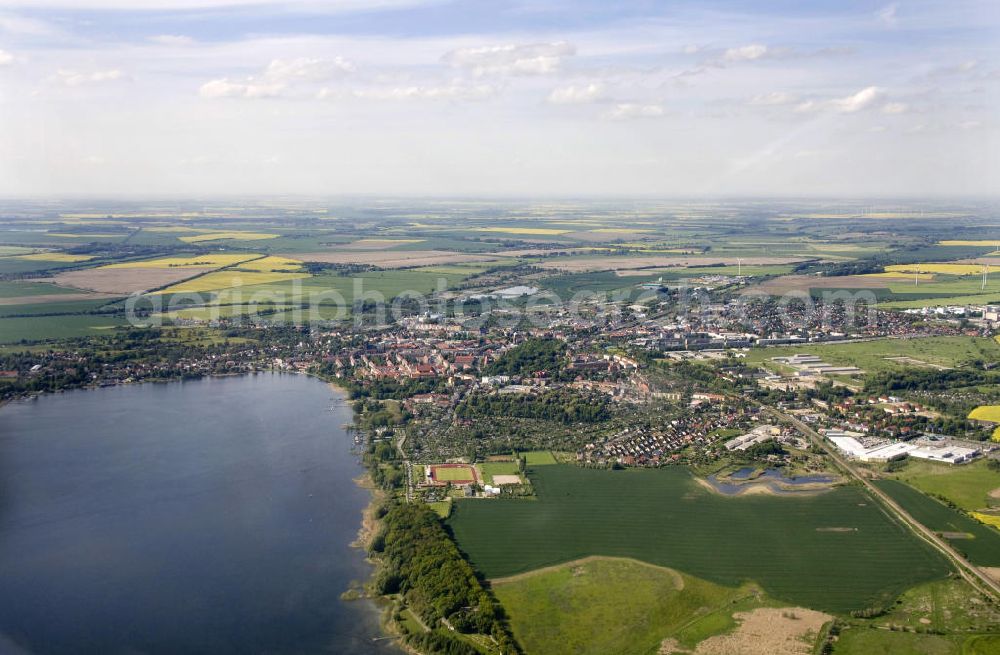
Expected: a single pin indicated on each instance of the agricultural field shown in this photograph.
(36, 328)
(989, 413)
(55, 257)
(972, 486)
(11, 290)
(873, 356)
(664, 517)
(227, 236)
(979, 543)
(211, 260)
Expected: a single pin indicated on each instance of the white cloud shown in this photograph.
(630, 110)
(76, 78)
(750, 52)
(887, 14)
(970, 125)
(773, 99)
(172, 39)
(858, 101)
(576, 95)
(529, 59)
(6, 58)
(895, 108)
(849, 104)
(307, 69)
(277, 77)
(250, 88)
(445, 92)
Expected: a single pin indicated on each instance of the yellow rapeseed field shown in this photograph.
(228, 279)
(217, 260)
(986, 413)
(984, 244)
(56, 257)
(947, 269)
(218, 236)
(901, 275)
(524, 230)
(272, 264)
(988, 519)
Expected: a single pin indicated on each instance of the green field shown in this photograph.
(982, 549)
(967, 486)
(621, 606)
(489, 469)
(538, 458)
(22, 289)
(835, 551)
(870, 356)
(869, 641)
(33, 328)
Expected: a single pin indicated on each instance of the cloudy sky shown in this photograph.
(499, 97)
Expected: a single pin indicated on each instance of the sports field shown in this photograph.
(664, 517)
(459, 473)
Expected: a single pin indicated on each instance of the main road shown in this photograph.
(972, 574)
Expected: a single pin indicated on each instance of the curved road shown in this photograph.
(972, 574)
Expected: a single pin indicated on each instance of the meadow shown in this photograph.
(608, 605)
(786, 545)
(870, 356)
(967, 486)
(981, 543)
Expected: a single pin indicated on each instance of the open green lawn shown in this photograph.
(600, 606)
(967, 486)
(871, 355)
(489, 469)
(538, 458)
(664, 517)
(983, 546)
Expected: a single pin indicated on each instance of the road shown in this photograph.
(972, 574)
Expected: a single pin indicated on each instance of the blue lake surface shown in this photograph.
(771, 478)
(212, 516)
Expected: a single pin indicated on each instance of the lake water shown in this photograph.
(212, 516)
(771, 478)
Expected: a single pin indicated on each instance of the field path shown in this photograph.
(976, 577)
(678, 578)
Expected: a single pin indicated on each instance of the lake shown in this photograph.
(211, 516)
